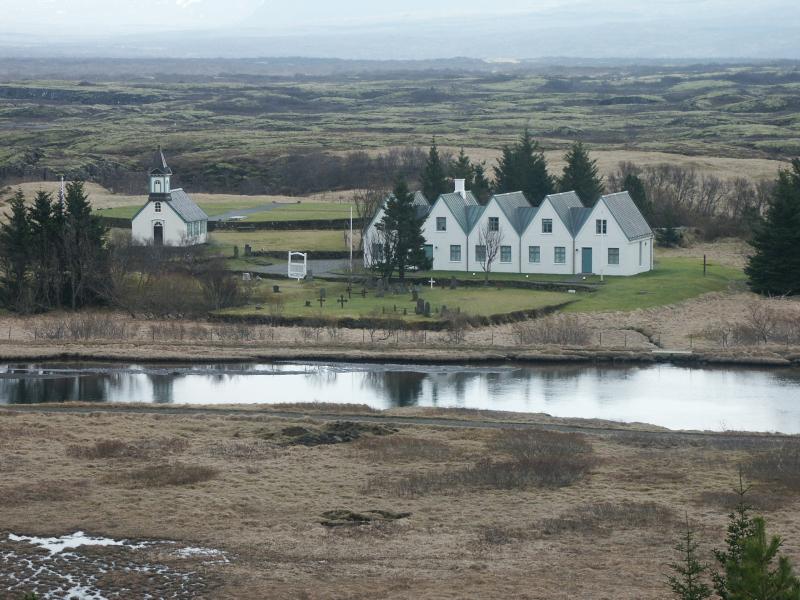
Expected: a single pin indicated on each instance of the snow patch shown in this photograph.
(56, 545)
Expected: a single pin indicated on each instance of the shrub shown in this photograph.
(606, 517)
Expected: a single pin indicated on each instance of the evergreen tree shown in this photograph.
(15, 253)
(634, 185)
(84, 246)
(401, 231)
(740, 527)
(774, 268)
(581, 175)
(481, 186)
(753, 575)
(45, 242)
(687, 583)
(522, 167)
(463, 168)
(434, 179)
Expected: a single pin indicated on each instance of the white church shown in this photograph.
(170, 217)
(560, 236)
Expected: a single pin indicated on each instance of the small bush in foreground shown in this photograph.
(168, 474)
(559, 330)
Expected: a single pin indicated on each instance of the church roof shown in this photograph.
(186, 207)
(158, 165)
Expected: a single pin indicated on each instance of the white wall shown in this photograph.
(370, 237)
(614, 238)
(442, 240)
(510, 238)
(175, 229)
(533, 236)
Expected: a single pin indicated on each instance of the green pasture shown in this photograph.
(303, 211)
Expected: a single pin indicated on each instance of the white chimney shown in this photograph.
(460, 184)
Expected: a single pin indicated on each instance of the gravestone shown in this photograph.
(276, 289)
(427, 309)
(248, 250)
(420, 308)
(453, 283)
(236, 252)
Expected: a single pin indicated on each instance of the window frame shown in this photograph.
(613, 264)
(601, 226)
(563, 250)
(548, 222)
(157, 207)
(452, 247)
(480, 253)
(510, 255)
(494, 223)
(537, 251)
(441, 223)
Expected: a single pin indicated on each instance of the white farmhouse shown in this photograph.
(560, 236)
(170, 217)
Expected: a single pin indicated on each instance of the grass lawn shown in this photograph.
(474, 301)
(673, 280)
(285, 211)
(302, 241)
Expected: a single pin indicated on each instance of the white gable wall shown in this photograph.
(442, 240)
(176, 230)
(510, 238)
(533, 236)
(615, 238)
(371, 237)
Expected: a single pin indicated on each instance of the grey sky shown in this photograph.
(430, 28)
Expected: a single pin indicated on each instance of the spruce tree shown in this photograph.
(740, 527)
(580, 174)
(754, 575)
(687, 583)
(634, 185)
(774, 267)
(434, 178)
(44, 250)
(481, 186)
(401, 231)
(462, 168)
(523, 167)
(15, 253)
(84, 246)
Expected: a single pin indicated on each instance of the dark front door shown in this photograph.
(586, 260)
(158, 235)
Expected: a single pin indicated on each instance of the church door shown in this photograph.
(158, 234)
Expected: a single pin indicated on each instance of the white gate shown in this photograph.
(298, 269)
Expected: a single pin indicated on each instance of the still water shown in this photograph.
(666, 395)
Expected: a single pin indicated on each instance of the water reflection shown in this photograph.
(665, 395)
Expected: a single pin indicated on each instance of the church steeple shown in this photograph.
(159, 174)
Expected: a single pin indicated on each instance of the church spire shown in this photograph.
(159, 174)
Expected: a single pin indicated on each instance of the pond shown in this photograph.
(667, 395)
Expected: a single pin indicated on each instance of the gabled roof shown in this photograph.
(158, 165)
(512, 204)
(185, 206)
(577, 217)
(524, 217)
(628, 216)
(420, 203)
(562, 204)
(420, 200)
(457, 205)
(473, 215)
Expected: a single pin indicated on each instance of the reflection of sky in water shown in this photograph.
(671, 396)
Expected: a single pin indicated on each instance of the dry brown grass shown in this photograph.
(779, 466)
(144, 448)
(610, 529)
(167, 474)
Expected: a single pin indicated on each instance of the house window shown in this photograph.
(158, 207)
(494, 224)
(505, 254)
(560, 255)
(455, 253)
(613, 256)
(441, 223)
(534, 254)
(601, 226)
(641, 255)
(480, 253)
(547, 225)
(377, 252)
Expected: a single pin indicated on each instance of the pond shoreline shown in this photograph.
(196, 353)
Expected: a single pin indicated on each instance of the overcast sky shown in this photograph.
(719, 27)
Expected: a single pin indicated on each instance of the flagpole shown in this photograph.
(351, 239)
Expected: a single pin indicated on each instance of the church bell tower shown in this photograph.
(159, 174)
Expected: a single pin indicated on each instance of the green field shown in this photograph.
(673, 280)
(304, 211)
(302, 241)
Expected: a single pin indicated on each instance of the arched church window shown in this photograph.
(158, 207)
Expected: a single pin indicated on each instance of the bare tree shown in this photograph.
(490, 239)
(366, 204)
